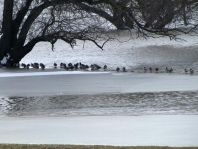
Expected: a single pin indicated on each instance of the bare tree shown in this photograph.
(25, 23)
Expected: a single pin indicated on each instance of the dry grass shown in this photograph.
(16, 146)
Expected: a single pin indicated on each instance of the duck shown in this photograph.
(76, 66)
(186, 70)
(150, 69)
(62, 65)
(28, 66)
(191, 71)
(55, 65)
(95, 67)
(105, 67)
(35, 65)
(23, 65)
(145, 69)
(169, 70)
(118, 69)
(124, 69)
(42, 66)
(157, 70)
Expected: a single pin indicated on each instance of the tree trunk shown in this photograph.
(5, 41)
(16, 55)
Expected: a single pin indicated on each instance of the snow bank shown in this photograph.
(26, 74)
(128, 52)
(168, 130)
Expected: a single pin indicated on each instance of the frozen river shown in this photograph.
(129, 104)
(99, 108)
(73, 83)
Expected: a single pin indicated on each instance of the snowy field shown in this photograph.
(172, 130)
(104, 108)
(131, 52)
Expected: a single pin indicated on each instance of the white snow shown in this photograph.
(129, 52)
(4, 60)
(52, 73)
(167, 130)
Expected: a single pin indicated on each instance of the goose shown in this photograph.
(186, 70)
(23, 65)
(105, 67)
(55, 65)
(191, 71)
(150, 69)
(156, 69)
(42, 66)
(118, 69)
(124, 69)
(145, 69)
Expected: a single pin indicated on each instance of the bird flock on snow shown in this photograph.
(96, 67)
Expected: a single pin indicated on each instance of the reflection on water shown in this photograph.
(113, 104)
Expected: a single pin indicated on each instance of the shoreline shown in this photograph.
(61, 146)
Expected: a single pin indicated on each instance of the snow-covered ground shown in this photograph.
(130, 52)
(46, 73)
(121, 130)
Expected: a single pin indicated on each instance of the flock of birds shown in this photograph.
(167, 70)
(96, 67)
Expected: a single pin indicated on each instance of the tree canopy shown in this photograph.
(24, 23)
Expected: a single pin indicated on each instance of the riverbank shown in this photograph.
(17, 146)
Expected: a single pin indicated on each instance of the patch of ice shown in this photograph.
(25, 74)
(155, 130)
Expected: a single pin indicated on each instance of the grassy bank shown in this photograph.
(14, 146)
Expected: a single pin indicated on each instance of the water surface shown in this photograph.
(166, 103)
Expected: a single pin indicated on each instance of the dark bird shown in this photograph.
(118, 69)
(36, 66)
(63, 65)
(124, 69)
(95, 67)
(76, 66)
(55, 65)
(150, 69)
(191, 71)
(23, 65)
(70, 66)
(28, 66)
(145, 69)
(169, 70)
(42, 66)
(156, 69)
(105, 67)
(186, 70)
